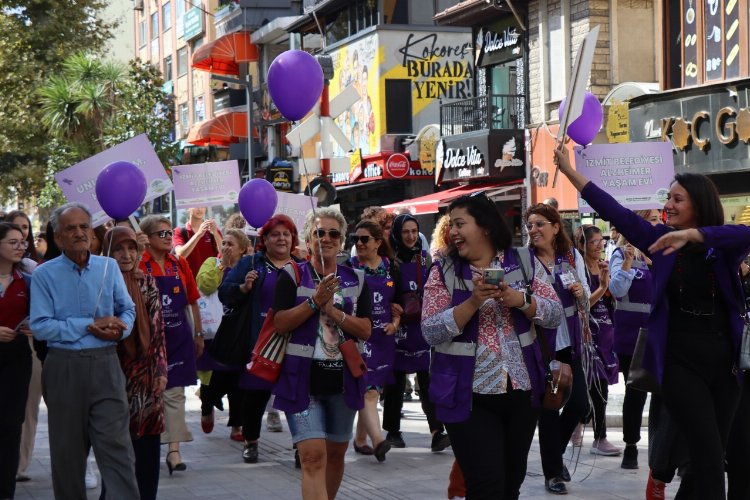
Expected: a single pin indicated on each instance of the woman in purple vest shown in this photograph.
(317, 390)
(375, 259)
(252, 283)
(487, 371)
(412, 352)
(599, 355)
(695, 326)
(630, 284)
(566, 271)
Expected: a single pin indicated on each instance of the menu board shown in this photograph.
(732, 38)
(690, 43)
(712, 27)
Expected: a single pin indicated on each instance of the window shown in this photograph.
(358, 15)
(154, 25)
(199, 109)
(167, 69)
(179, 12)
(183, 115)
(166, 16)
(398, 106)
(557, 60)
(142, 35)
(182, 61)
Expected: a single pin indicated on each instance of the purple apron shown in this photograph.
(412, 351)
(606, 365)
(178, 334)
(378, 352)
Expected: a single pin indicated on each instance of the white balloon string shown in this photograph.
(312, 205)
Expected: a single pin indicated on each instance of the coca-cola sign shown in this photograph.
(397, 166)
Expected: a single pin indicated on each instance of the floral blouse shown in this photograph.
(498, 355)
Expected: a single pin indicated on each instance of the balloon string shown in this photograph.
(312, 204)
(104, 277)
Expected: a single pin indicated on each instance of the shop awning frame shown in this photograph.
(431, 203)
(224, 55)
(219, 131)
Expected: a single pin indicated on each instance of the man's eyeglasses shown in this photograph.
(539, 224)
(334, 234)
(364, 239)
(166, 233)
(17, 244)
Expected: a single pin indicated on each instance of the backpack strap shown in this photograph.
(527, 266)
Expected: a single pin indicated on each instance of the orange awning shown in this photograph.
(219, 131)
(223, 55)
(430, 204)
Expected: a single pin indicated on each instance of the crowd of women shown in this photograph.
(480, 348)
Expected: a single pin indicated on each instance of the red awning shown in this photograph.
(224, 54)
(429, 204)
(219, 131)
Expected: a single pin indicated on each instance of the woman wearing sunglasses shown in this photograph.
(375, 259)
(318, 388)
(566, 272)
(179, 296)
(695, 326)
(251, 283)
(15, 353)
(488, 375)
(412, 351)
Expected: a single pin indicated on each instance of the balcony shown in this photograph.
(487, 112)
(249, 15)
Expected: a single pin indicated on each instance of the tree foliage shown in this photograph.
(36, 36)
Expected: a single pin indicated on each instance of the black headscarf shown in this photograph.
(403, 253)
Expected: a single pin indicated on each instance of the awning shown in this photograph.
(429, 204)
(223, 55)
(219, 131)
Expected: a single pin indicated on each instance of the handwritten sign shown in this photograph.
(296, 206)
(78, 183)
(637, 174)
(206, 184)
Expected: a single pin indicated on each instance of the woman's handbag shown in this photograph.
(268, 354)
(232, 341)
(640, 378)
(352, 357)
(412, 301)
(558, 375)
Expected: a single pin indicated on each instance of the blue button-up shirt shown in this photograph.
(64, 298)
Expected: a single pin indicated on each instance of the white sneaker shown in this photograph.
(604, 448)
(91, 480)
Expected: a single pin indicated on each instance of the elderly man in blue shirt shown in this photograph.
(81, 307)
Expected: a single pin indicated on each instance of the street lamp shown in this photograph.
(248, 85)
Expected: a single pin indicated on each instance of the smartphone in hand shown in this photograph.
(493, 276)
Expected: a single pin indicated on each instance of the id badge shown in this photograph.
(567, 279)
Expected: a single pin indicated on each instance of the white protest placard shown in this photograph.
(206, 184)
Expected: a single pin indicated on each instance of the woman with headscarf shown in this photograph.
(143, 358)
(412, 352)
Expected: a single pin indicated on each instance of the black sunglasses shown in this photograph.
(364, 239)
(334, 234)
(166, 233)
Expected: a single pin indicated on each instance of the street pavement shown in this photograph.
(215, 469)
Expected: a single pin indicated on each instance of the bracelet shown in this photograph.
(343, 318)
(312, 304)
(200, 334)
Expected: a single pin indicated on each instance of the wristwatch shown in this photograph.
(526, 301)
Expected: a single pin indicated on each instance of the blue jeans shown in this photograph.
(327, 417)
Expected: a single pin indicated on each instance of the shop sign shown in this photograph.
(281, 177)
(489, 155)
(498, 42)
(192, 22)
(397, 166)
(618, 123)
(491, 41)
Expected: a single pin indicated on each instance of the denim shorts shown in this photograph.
(327, 417)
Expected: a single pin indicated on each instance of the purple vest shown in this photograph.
(292, 390)
(632, 310)
(452, 369)
(568, 301)
(412, 351)
(606, 364)
(378, 351)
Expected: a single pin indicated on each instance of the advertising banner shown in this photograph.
(296, 206)
(78, 183)
(636, 174)
(206, 184)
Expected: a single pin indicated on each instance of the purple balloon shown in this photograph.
(584, 128)
(295, 81)
(120, 189)
(257, 201)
